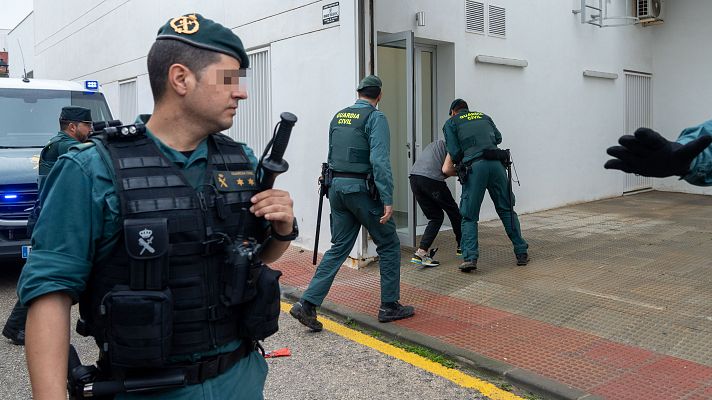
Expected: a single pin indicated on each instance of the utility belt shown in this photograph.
(503, 156)
(369, 178)
(336, 174)
(92, 382)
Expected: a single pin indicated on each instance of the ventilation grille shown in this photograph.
(474, 16)
(253, 122)
(643, 8)
(497, 21)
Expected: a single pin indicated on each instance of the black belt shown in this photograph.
(216, 365)
(349, 175)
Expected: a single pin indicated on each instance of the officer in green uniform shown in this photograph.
(145, 251)
(468, 134)
(75, 126)
(359, 142)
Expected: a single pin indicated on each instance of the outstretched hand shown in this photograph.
(647, 153)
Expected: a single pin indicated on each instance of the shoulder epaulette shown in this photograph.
(82, 146)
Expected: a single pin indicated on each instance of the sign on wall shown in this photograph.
(330, 13)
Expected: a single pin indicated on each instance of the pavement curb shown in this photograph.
(521, 378)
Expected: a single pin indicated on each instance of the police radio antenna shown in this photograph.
(24, 70)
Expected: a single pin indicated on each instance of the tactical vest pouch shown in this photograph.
(139, 326)
(147, 246)
(259, 318)
(240, 273)
(355, 155)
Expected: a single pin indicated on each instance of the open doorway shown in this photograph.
(409, 70)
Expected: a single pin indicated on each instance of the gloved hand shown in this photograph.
(647, 153)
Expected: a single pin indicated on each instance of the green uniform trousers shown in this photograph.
(352, 207)
(490, 175)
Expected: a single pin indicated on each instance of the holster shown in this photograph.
(371, 187)
(325, 180)
(463, 170)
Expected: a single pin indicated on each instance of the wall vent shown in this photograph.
(497, 21)
(474, 16)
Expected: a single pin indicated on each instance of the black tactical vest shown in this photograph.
(348, 143)
(162, 289)
(48, 157)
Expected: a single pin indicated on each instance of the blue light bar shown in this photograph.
(10, 196)
(91, 85)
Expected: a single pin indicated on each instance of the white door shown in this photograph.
(638, 113)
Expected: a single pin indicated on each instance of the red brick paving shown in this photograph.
(590, 363)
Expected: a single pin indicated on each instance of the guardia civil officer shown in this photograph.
(359, 146)
(648, 153)
(145, 252)
(74, 127)
(427, 182)
(468, 134)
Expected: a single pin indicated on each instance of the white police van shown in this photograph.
(29, 117)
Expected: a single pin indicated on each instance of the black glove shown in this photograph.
(649, 154)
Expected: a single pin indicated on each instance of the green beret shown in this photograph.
(371, 80)
(456, 103)
(195, 30)
(75, 114)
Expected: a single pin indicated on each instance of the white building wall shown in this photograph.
(557, 122)
(22, 36)
(683, 86)
(3, 39)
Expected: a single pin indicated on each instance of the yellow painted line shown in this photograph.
(453, 375)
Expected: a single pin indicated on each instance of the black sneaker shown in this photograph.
(394, 311)
(307, 316)
(17, 337)
(522, 259)
(468, 266)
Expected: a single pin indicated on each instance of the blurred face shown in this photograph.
(213, 99)
(79, 130)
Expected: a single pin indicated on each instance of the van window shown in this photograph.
(30, 117)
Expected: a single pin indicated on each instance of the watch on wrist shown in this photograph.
(289, 237)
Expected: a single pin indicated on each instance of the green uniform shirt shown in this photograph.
(485, 133)
(79, 226)
(701, 167)
(379, 141)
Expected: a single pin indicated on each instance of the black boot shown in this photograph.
(522, 259)
(305, 312)
(15, 326)
(394, 311)
(468, 266)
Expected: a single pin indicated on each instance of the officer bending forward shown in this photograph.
(359, 141)
(144, 252)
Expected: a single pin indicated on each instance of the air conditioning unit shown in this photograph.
(648, 9)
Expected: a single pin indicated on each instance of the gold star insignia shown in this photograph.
(240, 182)
(251, 181)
